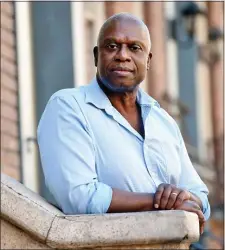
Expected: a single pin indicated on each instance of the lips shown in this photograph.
(122, 69)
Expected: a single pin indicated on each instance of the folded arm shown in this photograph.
(68, 159)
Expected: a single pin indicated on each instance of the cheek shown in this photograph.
(142, 66)
(104, 61)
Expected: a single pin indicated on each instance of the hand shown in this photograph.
(191, 206)
(168, 196)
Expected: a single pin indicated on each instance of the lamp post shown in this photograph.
(189, 15)
(183, 30)
(187, 21)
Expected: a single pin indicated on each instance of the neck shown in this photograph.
(122, 101)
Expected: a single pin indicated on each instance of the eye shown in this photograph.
(135, 47)
(112, 46)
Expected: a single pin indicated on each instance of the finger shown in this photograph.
(172, 198)
(201, 221)
(165, 197)
(202, 225)
(197, 210)
(184, 195)
(158, 195)
(200, 216)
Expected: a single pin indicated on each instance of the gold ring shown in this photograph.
(174, 193)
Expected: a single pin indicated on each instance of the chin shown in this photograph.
(120, 86)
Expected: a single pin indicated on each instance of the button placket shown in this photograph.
(148, 164)
(122, 121)
(152, 168)
(156, 167)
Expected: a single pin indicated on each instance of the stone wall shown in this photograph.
(29, 222)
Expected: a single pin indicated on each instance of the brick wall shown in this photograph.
(155, 21)
(10, 161)
(112, 8)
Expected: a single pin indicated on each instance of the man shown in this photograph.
(108, 146)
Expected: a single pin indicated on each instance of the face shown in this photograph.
(123, 55)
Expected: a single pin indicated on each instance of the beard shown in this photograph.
(115, 89)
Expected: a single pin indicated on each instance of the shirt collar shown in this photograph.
(144, 99)
(96, 96)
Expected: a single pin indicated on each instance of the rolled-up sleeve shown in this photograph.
(68, 158)
(190, 179)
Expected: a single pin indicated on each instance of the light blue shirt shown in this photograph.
(87, 148)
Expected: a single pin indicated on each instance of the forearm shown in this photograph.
(124, 201)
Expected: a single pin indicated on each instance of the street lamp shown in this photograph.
(189, 14)
(186, 21)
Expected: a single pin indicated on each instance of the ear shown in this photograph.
(95, 52)
(149, 59)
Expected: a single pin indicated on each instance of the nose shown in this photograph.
(123, 54)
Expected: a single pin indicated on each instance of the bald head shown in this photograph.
(124, 17)
(123, 54)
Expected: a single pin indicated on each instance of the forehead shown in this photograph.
(129, 30)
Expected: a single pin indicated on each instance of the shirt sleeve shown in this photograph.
(68, 159)
(190, 179)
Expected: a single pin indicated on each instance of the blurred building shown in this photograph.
(47, 46)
